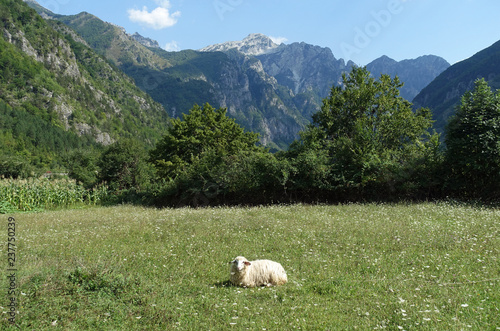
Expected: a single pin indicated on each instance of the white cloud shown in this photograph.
(159, 18)
(278, 40)
(172, 46)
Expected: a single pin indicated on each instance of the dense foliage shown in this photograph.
(58, 96)
(473, 144)
(203, 130)
(365, 140)
(365, 144)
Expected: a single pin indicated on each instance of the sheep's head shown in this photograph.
(239, 263)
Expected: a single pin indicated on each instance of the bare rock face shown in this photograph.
(254, 44)
(303, 67)
(145, 41)
(415, 73)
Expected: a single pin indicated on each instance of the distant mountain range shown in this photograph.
(416, 74)
(268, 88)
(444, 93)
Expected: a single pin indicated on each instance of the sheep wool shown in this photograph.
(256, 273)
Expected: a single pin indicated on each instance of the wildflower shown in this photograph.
(465, 305)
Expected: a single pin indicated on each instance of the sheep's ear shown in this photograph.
(247, 263)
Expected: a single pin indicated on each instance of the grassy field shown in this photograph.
(396, 267)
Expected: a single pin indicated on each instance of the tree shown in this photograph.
(370, 132)
(203, 129)
(82, 166)
(473, 143)
(123, 166)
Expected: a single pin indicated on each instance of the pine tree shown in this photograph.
(473, 143)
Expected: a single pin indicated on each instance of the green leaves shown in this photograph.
(473, 143)
(202, 129)
(370, 132)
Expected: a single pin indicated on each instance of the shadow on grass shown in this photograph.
(225, 283)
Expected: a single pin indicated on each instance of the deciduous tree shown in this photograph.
(372, 135)
(203, 129)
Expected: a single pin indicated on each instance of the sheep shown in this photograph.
(256, 273)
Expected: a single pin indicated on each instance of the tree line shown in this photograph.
(366, 143)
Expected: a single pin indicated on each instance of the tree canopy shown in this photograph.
(368, 130)
(473, 142)
(203, 129)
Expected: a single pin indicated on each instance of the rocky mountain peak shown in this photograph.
(253, 44)
(415, 73)
(145, 41)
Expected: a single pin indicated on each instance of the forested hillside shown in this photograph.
(178, 80)
(52, 81)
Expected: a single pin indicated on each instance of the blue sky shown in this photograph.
(358, 30)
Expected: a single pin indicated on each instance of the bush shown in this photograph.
(243, 178)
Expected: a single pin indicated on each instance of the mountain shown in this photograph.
(444, 93)
(303, 67)
(112, 42)
(148, 42)
(268, 88)
(416, 73)
(253, 44)
(310, 71)
(48, 71)
(178, 80)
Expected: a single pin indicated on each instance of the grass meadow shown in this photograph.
(430, 266)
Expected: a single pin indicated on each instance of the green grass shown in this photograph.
(418, 266)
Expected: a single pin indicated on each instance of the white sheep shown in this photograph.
(256, 273)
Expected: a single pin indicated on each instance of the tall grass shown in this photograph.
(42, 193)
(395, 267)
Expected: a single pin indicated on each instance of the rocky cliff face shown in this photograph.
(303, 67)
(415, 74)
(253, 44)
(148, 42)
(256, 100)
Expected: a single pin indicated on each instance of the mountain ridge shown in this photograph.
(253, 44)
(47, 71)
(268, 88)
(444, 93)
(428, 67)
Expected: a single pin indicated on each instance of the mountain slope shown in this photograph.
(268, 88)
(303, 67)
(443, 94)
(178, 80)
(416, 73)
(48, 71)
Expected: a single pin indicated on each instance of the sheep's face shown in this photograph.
(239, 264)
